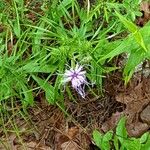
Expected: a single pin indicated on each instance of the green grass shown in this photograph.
(63, 33)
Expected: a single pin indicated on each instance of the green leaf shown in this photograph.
(6, 91)
(146, 146)
(97, 136)
(138, 13)
(129, 25)
(144, 137)
(121, 130)
(134, 59)
(125, 46)
(37, 36)
(17, 29)
(16, 25)
(108, 136)
(37, 67)
(28, 100)
(105, 141)
(116, 142)
(133, 29)
(132, 144)
(49, 89)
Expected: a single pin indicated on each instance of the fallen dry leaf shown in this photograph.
(145, 9)
(145, 115)
(33, 146)
(70, 135)
(136, 97)
(137, 129)
(112, 122)
(72, 132)
(135, 100)
(70, 145)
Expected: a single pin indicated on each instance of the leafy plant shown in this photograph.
(65, 33)
(103, 141)
(120, 139)
(36, 45)
(136, 45)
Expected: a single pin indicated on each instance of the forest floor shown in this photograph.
(47, 127)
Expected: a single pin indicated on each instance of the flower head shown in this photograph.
(77, 78)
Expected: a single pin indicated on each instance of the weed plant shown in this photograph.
(37, 45)
(120, 139)
(64, 33)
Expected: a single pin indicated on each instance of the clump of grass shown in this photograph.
(63, 33)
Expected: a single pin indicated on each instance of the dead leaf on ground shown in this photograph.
(69, 136)
(33, 146)
(145, 9)
(135, 98)
(145, 115)
(8, 142)
(70, 145)
(136, 129)
(72, 132)
(112, 122)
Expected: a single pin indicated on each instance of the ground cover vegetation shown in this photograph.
(71, 55)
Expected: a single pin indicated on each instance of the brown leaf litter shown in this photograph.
(145, 115)
(145, 9)
(49, 129)
(137, 100)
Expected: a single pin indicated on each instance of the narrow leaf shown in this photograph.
(133, 29)
(49, 89)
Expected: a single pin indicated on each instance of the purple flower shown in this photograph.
(77, 78)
